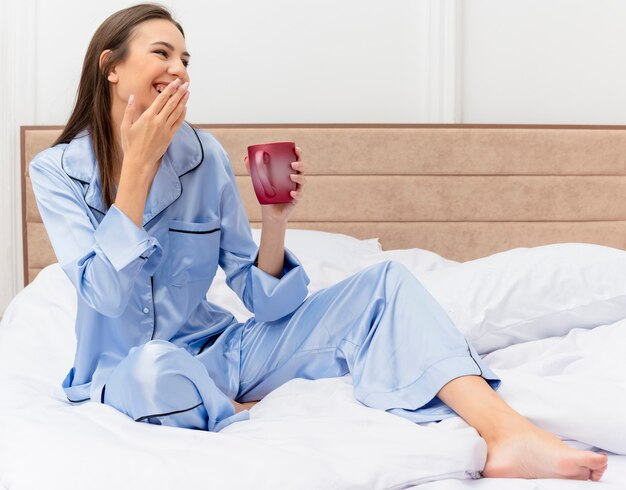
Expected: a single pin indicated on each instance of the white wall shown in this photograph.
(329, 61)
(261, 62)
(17, 107)
(548, 62)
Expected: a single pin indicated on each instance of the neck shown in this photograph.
(117, 115)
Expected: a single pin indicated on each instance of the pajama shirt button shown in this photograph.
(146, 310)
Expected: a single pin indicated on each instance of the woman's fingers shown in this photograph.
(178, 110)
(157, 106)
(173, 102)
(298, 166)
(179, 122)
(297, 195)
(129, 113)
(298, 179)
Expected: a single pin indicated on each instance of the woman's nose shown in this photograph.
(178, 69)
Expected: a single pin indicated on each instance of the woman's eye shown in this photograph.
(164, 54)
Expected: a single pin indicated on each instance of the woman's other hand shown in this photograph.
(282, 211)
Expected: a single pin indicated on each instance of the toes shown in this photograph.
(583, 465)
(596, 475)
(591, 460)
(593, 464)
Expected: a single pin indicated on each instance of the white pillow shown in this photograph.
(326, 257)
(531, 293)
(333, 246)
(417, 260)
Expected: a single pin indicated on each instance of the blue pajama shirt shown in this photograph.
(150, 344)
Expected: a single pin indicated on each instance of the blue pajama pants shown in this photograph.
(381, 325)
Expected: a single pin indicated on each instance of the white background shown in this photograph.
(261, 61)
(544, 61)
(328, 61)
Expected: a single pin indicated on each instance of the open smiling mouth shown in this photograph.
(159, 87)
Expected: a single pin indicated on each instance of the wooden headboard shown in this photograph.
(462, 191)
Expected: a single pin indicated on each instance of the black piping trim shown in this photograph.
(77, 401)
(95, 209)
(153, 312)
(168, 413)
(470, 354)
(79, 180)
(181, 184)
(102, 394)
(196, 232)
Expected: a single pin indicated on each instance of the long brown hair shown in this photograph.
(92, 110)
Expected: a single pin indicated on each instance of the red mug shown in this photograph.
(270, 169)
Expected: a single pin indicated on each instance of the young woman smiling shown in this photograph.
(141, 209)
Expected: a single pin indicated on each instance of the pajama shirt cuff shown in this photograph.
(238, 417)
(77, 393)
(274, 298)
(219, 408)
(122, 241)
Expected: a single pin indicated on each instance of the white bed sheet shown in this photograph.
(306, 434)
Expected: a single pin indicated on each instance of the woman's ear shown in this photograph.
(112, 75)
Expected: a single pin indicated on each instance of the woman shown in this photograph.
(141, 208)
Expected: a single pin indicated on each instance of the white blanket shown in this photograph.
(306, 434)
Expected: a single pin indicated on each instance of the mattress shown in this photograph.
(550, 321)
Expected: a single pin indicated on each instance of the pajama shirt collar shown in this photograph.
(79, 162)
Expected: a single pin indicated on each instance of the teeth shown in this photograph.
(160, 87)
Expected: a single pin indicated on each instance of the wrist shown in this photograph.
(136, 174)
(273, 233)
(132, 193)
(273, 220)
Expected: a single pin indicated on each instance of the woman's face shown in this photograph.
(157, 55)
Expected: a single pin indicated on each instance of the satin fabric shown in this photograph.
(382, 326)
(136, 285)
(150, 344)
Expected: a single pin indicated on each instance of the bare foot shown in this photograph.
(529, 452)
(515, 447)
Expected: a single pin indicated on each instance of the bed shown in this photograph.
(518, 231)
